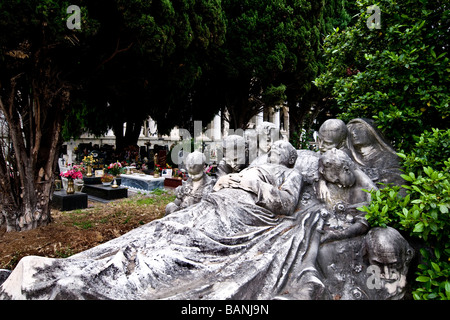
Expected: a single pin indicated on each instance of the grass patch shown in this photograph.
(64, 252)
(81, 218)
(122, 211)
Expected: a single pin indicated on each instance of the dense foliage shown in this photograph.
(179, 61)
(397, 74)
(269, 54)
(424, 212)
(157, 50)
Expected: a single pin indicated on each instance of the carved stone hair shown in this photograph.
(336, 156)
(290, 148)
(379, 139)
(337, 127)
(196, 157)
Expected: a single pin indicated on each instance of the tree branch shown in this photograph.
(116, 51)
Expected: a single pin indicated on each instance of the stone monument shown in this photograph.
(301, 245)
(332, 134)
(266, 134)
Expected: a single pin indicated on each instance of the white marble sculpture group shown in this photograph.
(284, 226)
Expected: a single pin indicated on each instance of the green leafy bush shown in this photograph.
(423, 212)
(397, 75)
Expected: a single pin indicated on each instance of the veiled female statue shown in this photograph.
(372, 153)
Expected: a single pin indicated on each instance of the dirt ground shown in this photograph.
(74, 231)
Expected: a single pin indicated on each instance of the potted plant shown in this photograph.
(115, 169)
(107, 179)
(88, 161)
(71, 175)
(157, 171)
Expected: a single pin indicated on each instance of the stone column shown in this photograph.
(259, 118)
(276, 118)
(217, 134)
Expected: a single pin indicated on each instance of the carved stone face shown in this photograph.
(391, 254)
(336, 167)
(282, 153)
(194, 163)
(359, 136)
(326, 143)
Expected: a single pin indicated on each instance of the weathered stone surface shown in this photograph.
(198, 184)
(200, 252)
(4, 274)
(235, 157)
(373, 266)
(372, 153)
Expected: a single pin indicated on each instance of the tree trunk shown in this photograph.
(131, 135)
(118, 133)
(132, 132)
(27, 168)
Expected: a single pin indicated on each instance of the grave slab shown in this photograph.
(142, 181)
(105, 192)
(66, 202)
(92, 180)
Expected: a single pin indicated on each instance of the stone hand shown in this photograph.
(322, 191)
(224, 182)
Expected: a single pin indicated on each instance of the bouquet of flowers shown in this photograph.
(115, 168)
(107, 178)
(179, 174)
(88, 161)
(79, 168)
(157, 168)
(72, 174)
